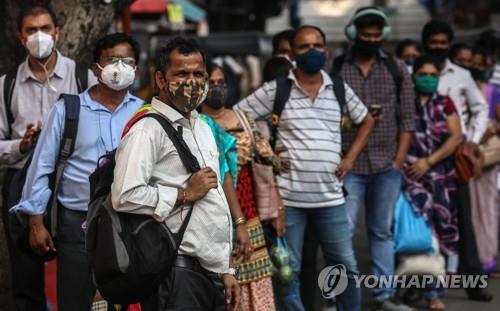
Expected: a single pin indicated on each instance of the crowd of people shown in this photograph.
(335, 137)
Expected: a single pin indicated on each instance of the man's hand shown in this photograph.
(30, 136)
(284, 163)
(200, 183)
(244, 246)
(39, 238)
(398, 164)
(232, 291)
(344, 167)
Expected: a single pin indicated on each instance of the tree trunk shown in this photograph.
(82, 22)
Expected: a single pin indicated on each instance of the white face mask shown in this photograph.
(40, 44)
(117, 76)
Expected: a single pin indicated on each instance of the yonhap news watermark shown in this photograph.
(333, 281)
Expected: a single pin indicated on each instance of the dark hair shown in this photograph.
(183, 45)
(112, 40)
(436, 27)
(424, 60)
(489, 39)
(485, 53)
(457, 47)
(285, 35)
(402, 45)
(296, 32)
(276, 67)
(369, 19)
(36, 9)
(211, 67)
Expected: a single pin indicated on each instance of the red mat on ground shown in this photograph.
(50, 284)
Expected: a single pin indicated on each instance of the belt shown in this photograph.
(190, 263)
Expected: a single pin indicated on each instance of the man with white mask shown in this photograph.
(104, 110)
(26, 96)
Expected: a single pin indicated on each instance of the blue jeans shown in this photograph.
(332, 230)
(378, 193)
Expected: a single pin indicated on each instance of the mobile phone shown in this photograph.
(375, 110)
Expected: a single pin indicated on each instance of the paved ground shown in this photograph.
(454, 299)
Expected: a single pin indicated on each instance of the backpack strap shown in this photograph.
(283, 89)
(72, 115)
(8, 90)
(339, 91)
(338, 62)
(392, 66)
(187, 158)
(81, 76)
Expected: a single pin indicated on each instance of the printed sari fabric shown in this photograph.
(432, 196)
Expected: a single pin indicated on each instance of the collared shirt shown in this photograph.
(149, 172)
(470, 103)
(99, 131)
(31, 103)
(379, 88)
(311, 133)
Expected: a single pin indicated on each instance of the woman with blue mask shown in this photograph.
(430, 178)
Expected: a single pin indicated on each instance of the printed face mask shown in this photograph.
(117, 76)
(187, 95)
(40, 44)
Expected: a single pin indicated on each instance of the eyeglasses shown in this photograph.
(114, 59)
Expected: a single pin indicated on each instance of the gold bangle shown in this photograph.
(239, 221)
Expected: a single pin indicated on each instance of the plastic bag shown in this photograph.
(280, 257)
(411, 233)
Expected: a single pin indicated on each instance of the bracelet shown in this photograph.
(184, 197)
(239, 221)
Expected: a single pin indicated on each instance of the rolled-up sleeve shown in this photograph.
(132, 190)
(478, 108)
(406, 121)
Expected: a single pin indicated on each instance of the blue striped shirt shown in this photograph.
(311, 133)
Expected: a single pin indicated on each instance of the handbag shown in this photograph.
(411, 233)
(266, 194)
(422, 264)
(491, 151)
(468, 161)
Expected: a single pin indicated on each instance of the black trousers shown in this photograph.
(468, 253)
(74, 284)
(188, 289)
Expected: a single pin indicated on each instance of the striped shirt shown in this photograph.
(311, 133)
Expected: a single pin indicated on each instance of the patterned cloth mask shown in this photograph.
(187, 95)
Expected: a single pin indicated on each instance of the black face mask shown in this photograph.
(217, 96)
(440, 54)
(367, 49)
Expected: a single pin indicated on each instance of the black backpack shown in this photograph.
(130, 254)
(72, 114)
(81, 76)
(283, 89)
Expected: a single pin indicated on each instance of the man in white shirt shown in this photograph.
(457, 83)
(151, 179)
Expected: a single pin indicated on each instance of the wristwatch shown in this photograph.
(234, 272)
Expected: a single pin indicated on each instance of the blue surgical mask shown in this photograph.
(311, 61)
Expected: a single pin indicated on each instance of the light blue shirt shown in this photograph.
(99, 131)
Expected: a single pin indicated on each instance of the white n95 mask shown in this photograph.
(40, 44)
(117, 76)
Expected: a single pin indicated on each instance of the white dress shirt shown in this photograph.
(149, 172)
(31, 103)
(457, 83)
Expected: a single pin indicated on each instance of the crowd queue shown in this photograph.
(334, 139)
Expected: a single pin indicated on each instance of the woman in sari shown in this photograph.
(255, 271)
(430, 178)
